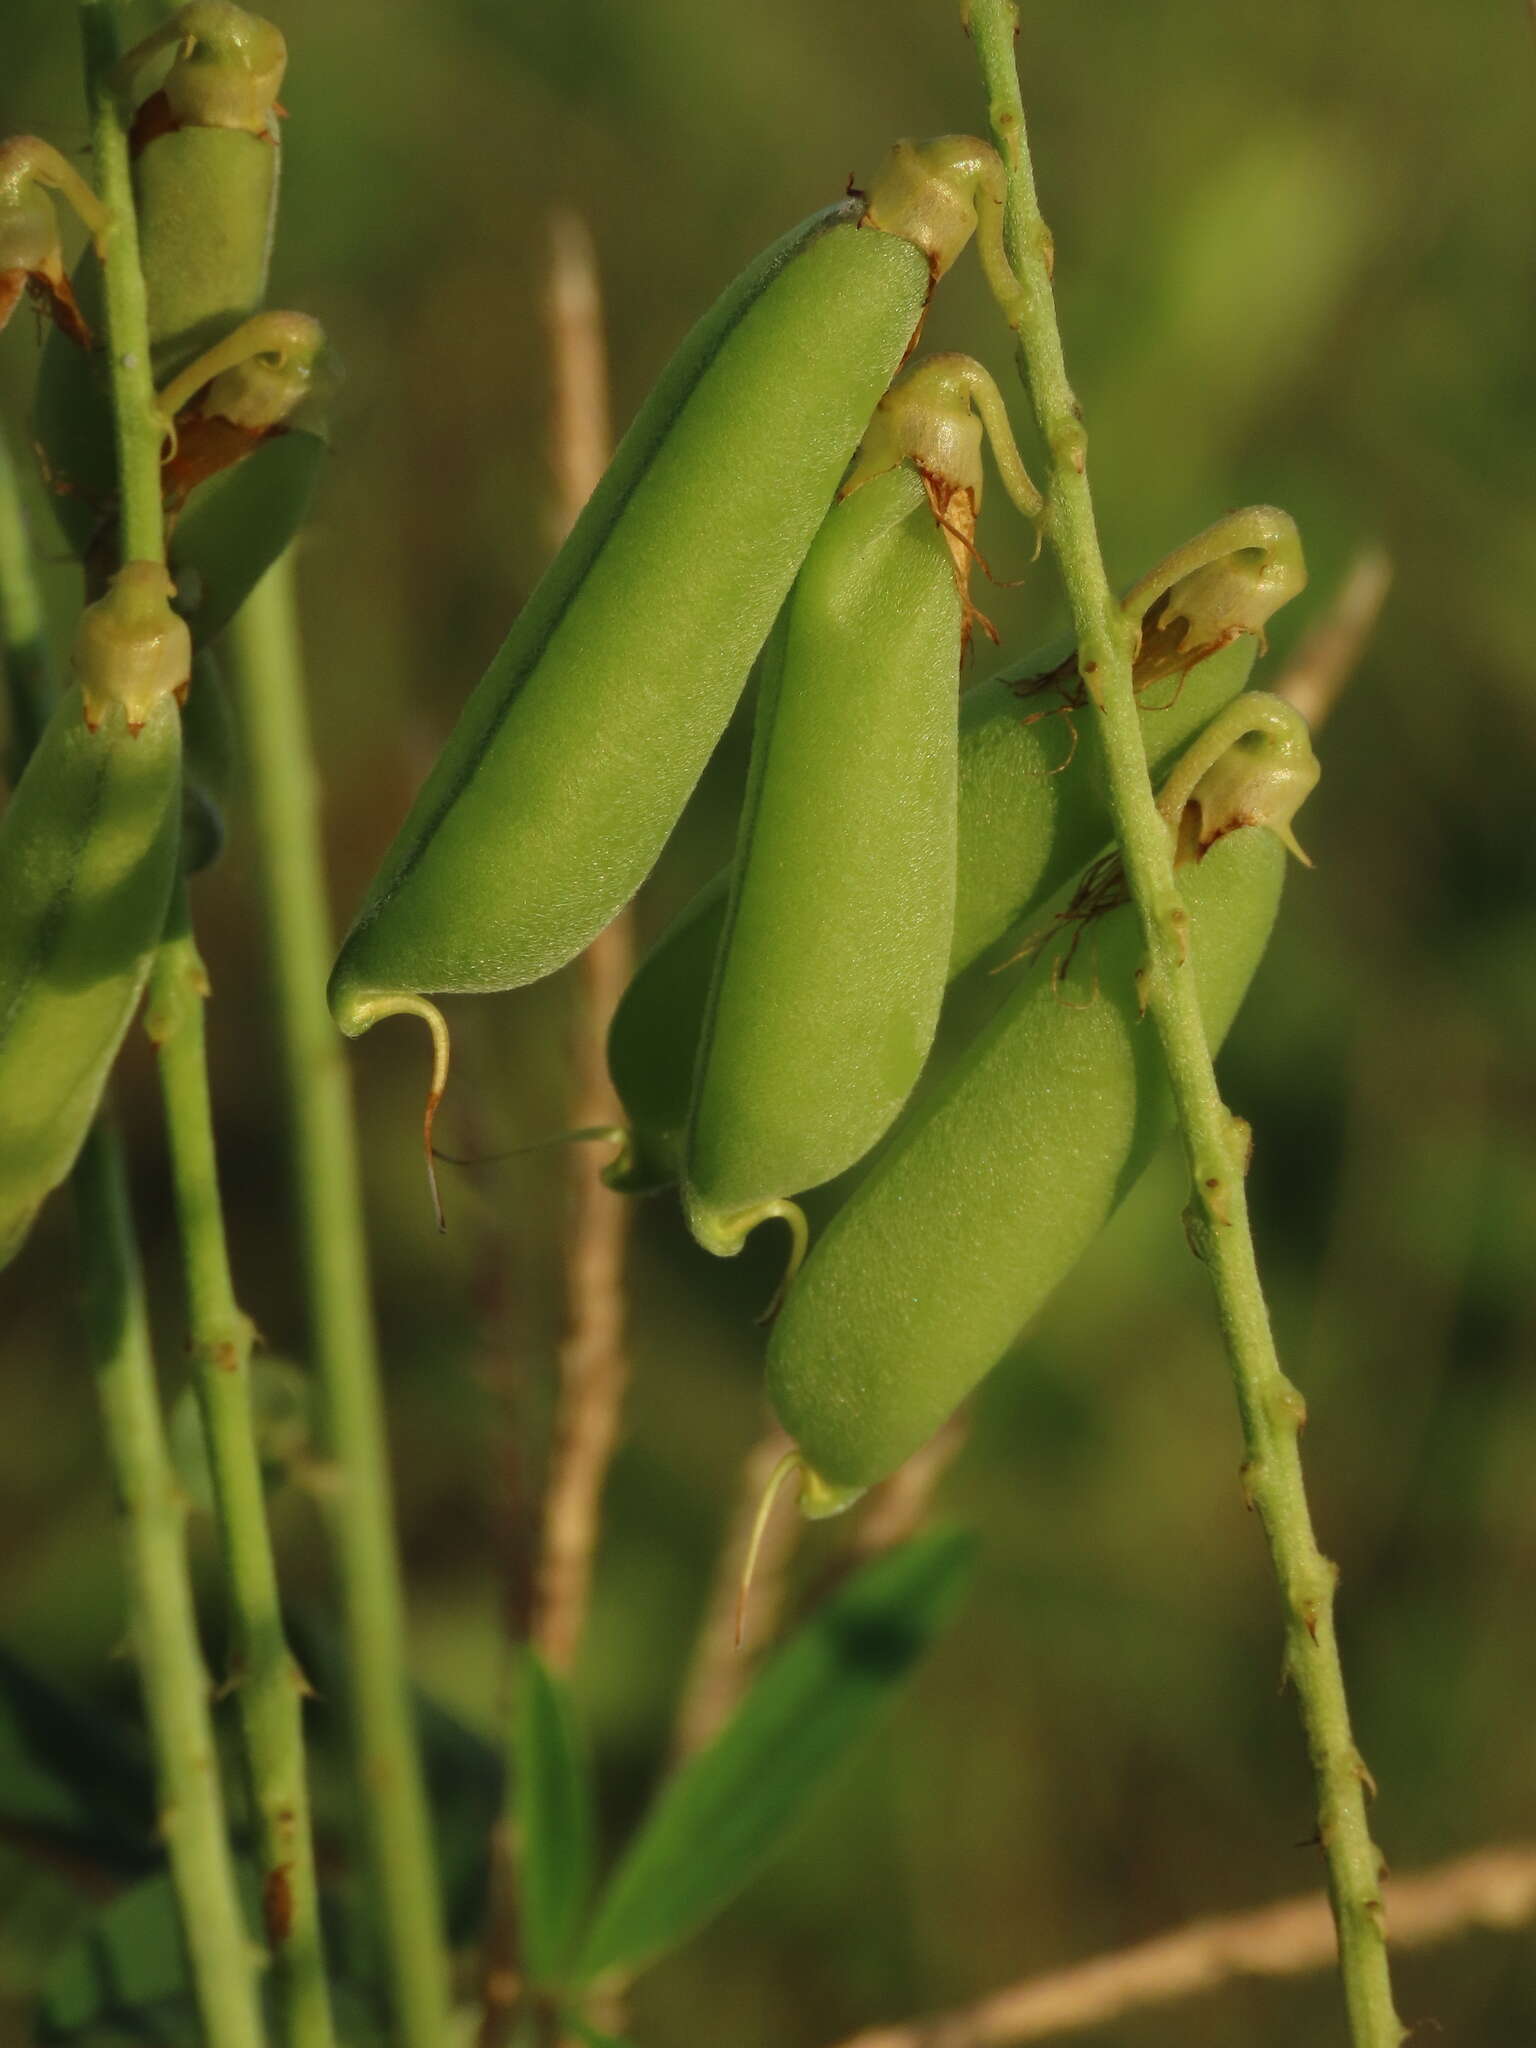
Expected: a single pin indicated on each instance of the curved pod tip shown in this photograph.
(818, 1502)
(355, 1014)
(228, 68)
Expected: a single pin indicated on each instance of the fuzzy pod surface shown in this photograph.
(1025, 823)
(1000, 1182)
(88, 848)
(575, 755)
(836, 943)
(207, 206)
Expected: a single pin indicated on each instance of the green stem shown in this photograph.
(23, 631)
(163, 1626)
(137, 423)
(1272, 1410)
(267, 1683)
(266, 646)
(163, 1623)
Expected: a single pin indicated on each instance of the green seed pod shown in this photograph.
(836, 946)
(210, 746)
(88, 853)
(574, 757)
(205, 175)
(1030, 806)
(1000, 1181)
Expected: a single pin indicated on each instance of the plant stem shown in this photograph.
(391, 1795)
(23, 632)
(162, 1624)
(137, 423)
(163, 1621)
(1271, 1408)
(268, 1684)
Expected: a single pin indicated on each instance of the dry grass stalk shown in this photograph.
(592, 1365)
(1330, 651)
(899, 1506)
(1490, 1888)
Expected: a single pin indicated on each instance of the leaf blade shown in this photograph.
(555, 1828)
(721, 1817)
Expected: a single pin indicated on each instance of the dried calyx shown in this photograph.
(131, 650)
(935, 418)
(31, 258)
(1253, 765)
(227, 71)
(257, 377)
(1228, 580)
(273, 372)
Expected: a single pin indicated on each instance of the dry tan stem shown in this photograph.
(721, 1668)
(592, 1364)
(1329, 653)
(898, 1507)
(1490, 1888)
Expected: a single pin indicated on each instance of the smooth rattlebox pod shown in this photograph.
(574, 757)
(206, 157)
(1001, 1180)
(1030, 804)
(88, 847)
(836, 943)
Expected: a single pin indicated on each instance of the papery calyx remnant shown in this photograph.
(31, 257)
(131, 650)
(1253, 765)
(227, 71)
(1228, 580)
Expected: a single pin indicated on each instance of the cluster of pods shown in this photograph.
(779, 496)
(119, 784)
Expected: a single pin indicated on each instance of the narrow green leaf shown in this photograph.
(724, 1813)
(552, 1804)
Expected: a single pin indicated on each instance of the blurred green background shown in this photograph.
(1294, 264)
